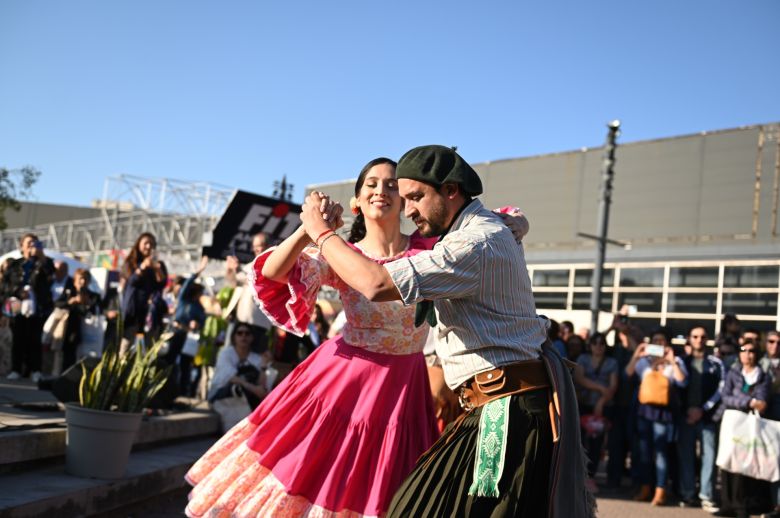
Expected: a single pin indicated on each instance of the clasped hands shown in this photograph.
(319, 214)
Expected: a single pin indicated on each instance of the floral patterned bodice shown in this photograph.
(383, 327)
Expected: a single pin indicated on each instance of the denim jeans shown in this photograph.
(707, 433)
(654, 438)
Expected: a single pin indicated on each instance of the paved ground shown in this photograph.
(612, 506)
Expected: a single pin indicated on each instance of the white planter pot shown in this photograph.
(98, 441)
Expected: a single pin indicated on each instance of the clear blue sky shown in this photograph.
(241, 92)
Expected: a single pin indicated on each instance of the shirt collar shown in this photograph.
(465, 213)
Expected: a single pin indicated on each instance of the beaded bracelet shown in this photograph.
(326, 238)
(322, 234)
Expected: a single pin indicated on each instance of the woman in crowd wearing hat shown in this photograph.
(341, 432)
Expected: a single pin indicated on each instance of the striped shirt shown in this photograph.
(477, 277)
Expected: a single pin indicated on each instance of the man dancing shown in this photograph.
(516, 452)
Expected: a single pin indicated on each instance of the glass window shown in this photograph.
(750, 276)
(582, 301)
(551, 278)
(546, 300)
(761, 326)
(681, 326)
(585, 277)
(645, 277)
(750, 303)
(693, 277)
(644, 302)
(692, 302)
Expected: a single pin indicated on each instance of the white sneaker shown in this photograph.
(36, 376)
(13, 376)
(709, 507)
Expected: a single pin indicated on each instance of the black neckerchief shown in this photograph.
(424, 311)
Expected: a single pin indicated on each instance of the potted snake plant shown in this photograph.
(102, 426)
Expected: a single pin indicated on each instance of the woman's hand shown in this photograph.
(598, 409)
(758, 405)
(319, 213)
(516, 222)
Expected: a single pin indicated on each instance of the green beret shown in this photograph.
(437, 165)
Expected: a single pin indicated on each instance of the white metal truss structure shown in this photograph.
(178, 213)
(164, 195)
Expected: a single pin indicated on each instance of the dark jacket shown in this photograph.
(773, 412)
(737, 396)
(137, 294)
(76, 314)
(713, 378)
(40, 277)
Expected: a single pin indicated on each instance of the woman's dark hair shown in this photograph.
(664, 331)
(597, 337)
(358, 230)
(132, 261)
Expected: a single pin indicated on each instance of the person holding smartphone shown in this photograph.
(142, 280)
(80, 302)
(661, 374)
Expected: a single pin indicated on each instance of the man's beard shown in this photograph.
(433, 226)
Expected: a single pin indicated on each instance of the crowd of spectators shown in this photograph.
(651, 408)
(645, 404)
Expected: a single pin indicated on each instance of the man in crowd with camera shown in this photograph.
(27, 288)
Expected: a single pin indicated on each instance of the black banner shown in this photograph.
(246, 215)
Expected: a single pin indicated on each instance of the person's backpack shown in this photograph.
(654, 389)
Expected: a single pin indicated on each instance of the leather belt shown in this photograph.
(515, 378)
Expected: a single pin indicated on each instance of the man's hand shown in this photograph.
(444, 400)
(319, 213)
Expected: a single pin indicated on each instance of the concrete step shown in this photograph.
(32, 425)
(47, 441)
(51, 492)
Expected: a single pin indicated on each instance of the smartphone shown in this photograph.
(632, 310)
(655, 350)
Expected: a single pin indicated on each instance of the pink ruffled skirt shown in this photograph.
(335, 438)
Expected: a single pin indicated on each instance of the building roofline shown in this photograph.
(585, 149)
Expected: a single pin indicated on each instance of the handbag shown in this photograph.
(93, 329)
(54, 328)
(749, 445)
(654, 389)
(190, 347)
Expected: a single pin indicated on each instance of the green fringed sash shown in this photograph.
(491, 448)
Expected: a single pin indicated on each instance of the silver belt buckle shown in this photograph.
(464, 403)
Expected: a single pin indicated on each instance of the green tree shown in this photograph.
(15, 184)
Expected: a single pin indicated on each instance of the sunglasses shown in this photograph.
(243, 333)
(746, 350)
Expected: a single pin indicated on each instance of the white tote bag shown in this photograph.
(749, 445)
(93, 329)
(190, 347)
